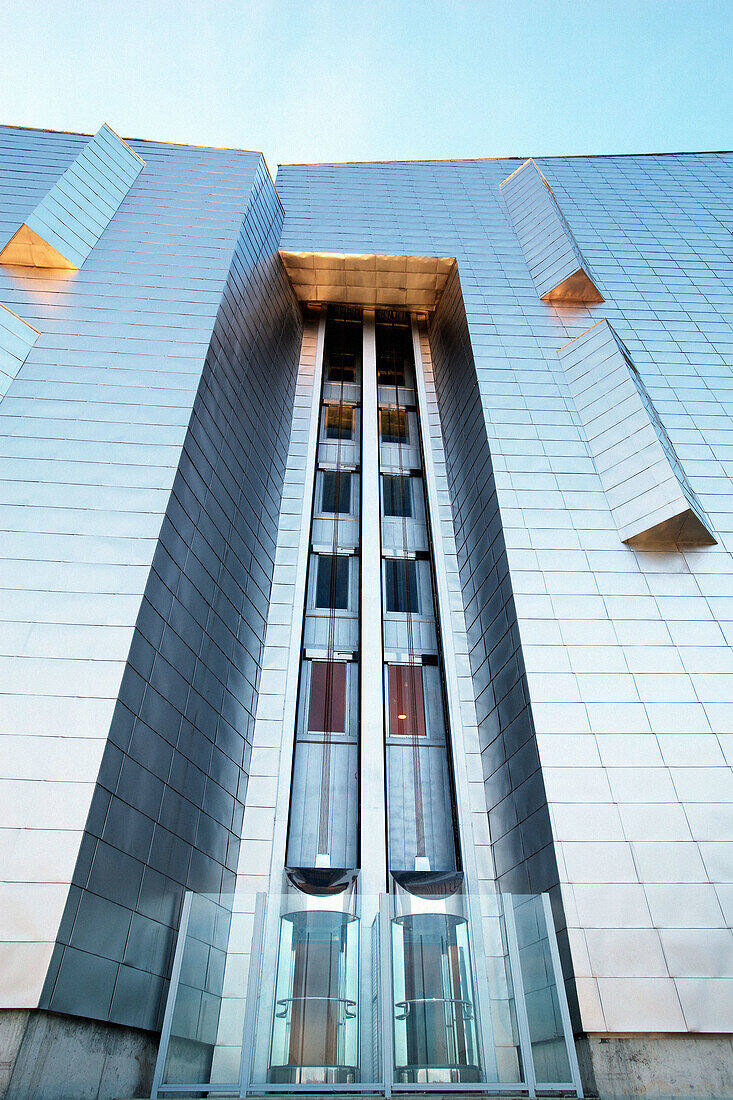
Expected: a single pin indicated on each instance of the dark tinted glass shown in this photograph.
(397, 495)
(401, 585)
(332, 581)
(342, 367)
(339, 422)
(394, 353)
(343, 349)
(393, 425)
(336, 493)
(391, 372)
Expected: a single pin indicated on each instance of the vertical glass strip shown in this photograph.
(422, 839)
(323, 826)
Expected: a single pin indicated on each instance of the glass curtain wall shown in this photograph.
(323, 827)
(434, 1012)
(422, 835)
(315, 1020)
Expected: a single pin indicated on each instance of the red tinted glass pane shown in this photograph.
(327, 713)
(406, 705)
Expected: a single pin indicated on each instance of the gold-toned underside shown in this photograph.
(390, 282)
(26, 249)
(684, 529)
(578, 287)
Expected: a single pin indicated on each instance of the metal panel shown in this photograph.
(16, 340)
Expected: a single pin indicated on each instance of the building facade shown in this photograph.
(367, 623)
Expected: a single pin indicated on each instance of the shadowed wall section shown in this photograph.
(519, 821)
(167, 810)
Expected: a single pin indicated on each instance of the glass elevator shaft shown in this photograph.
(318, 999)
(324, 811)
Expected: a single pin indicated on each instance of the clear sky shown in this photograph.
(322, 80)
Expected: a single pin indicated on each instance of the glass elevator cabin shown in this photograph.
(371, 964)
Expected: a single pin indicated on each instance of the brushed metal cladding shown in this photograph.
(16, 340)
(435, 814)
(62, 230)
(91, 431)
(343, 802)
(519, 822)
(372, 281)
(650, 497)
(556, 263)
(168, 805)
(627, 652)
(420, 770)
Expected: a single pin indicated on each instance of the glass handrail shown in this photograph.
(366, 993)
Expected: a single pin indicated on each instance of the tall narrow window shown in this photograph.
(327, 710)
(332, 581)
(397, 495)
(393, 426)
(339, 422)
(406, 702)
(401, 585)
(336, 492)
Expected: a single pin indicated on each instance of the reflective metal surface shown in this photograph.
(141, 486)
(649, 494)
(16, 340)
(65, 226)
(557, 265)
(625, 654)
(155, 447)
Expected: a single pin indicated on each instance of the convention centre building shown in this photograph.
(366, 632)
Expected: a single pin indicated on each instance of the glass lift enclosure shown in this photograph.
(315, 1029)
(435, 1011)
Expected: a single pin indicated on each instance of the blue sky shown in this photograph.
(377, 79)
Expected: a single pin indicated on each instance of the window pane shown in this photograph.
(393, 425)
(327, 711)
(406, 704)
(391, 371)
(397, 495)
(401, 585)
(332, 581)
(336, 494)
(339, 421)
(394, 353)
(342, 366)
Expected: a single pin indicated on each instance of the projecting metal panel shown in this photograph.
(557, 266)
(648, 492)
(16, 340)
(69, 220)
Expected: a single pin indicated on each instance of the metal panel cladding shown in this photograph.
(66, 224)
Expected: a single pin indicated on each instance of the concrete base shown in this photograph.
(657, 1066)
(47, 1056)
